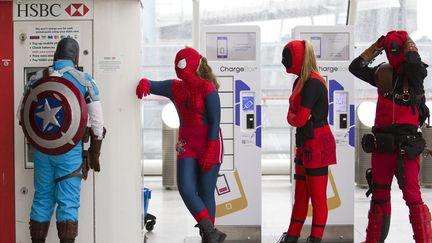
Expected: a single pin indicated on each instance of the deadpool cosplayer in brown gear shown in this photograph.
(395, 143)
(315, 144)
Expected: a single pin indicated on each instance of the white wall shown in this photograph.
(118, 187)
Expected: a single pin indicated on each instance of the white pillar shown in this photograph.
(352, 12)
(117, 59)
(195, 24)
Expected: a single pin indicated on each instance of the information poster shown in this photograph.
(231, 46)
(42, 41)
(329, 46)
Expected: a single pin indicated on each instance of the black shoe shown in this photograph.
(312, 239)
(200, 232)
(285, 238)
(209, 233)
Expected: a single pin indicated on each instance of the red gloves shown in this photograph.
(299, 118)
(210, 156)
(143, 88)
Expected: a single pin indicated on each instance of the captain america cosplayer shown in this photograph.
(61, 103)
(315, 144)
(199, 147)
(395, 142)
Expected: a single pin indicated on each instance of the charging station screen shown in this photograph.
(341, 101)
(222, 47)
(231, 46)
(316, 43)
(248, 103)
(329, 46)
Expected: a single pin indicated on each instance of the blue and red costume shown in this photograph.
(308, 110)
(199, 147)
(400, 110)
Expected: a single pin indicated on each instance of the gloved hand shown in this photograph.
(94, 150)
(291, 109)
(208, 159)
(380, 42)
(143, 88)
(374, 50)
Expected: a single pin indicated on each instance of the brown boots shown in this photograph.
(38, 231)
(67, 231)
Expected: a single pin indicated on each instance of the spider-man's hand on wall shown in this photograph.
(143, 88)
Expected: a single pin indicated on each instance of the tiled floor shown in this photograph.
(174, 223)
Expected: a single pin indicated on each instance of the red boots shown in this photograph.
(378, 225)
(420, 219)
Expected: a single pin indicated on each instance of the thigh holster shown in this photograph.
(372, 186)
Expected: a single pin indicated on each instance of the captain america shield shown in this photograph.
(54, 115)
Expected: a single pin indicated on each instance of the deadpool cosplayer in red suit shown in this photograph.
(315, 144)
(395, 143)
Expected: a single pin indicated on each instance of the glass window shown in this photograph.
(376, 18)
(166, 29)
(276, 19)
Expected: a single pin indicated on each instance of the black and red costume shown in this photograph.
(315, 145)
(395, 143)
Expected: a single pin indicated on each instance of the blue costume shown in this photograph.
(48, 168)
(60, 110)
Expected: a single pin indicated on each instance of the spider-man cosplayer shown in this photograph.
(57, 177)
(315, 144)
(395, 143)
(199, 147)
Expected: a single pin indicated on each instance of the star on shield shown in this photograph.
(48, 115)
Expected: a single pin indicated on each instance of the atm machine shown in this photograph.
(111, 204)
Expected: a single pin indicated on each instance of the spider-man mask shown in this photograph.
(394, 48)
(186, 64)
(292, 56)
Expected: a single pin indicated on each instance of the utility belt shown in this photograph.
(307, 131)
(404, 144)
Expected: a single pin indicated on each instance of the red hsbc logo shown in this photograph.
(77, 9)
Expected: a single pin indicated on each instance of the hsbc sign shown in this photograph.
(77, 9)
(53, 10)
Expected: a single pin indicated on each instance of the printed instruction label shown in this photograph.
(42, 42)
